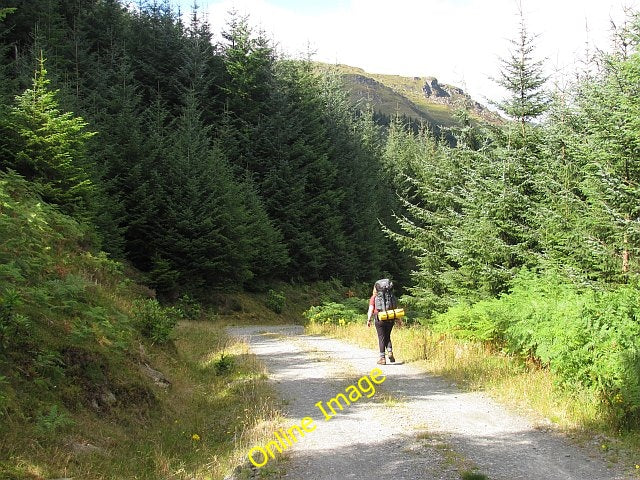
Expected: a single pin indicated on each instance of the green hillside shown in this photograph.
(95, 381)
(419, 98)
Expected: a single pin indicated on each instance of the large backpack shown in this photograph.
(385, 299)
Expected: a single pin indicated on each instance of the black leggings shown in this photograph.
(384, 334)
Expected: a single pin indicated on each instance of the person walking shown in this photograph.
(383, 327)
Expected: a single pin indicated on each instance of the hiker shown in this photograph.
(382, 290)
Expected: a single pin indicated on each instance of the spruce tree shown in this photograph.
(146, 204)
(155, 40)
(268, 256)
(249, 61)
(51, 147)
(506, 189)
(435, 218)
(561, 222)
(6, 80)
(296, 138)
(202, 223)
(610, 112)
(121, 153)
(523, 78)
(6, 92)
(249, 89)
(202, 69)
(357, 149)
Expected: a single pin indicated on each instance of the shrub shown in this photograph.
(188, 308)
(52, 420)
(4, 395)
(334, 314)
(276, 301)
(14, 327)
(224, 364)
(482, 321)
(589, 338)
(153, 320)
(473, 476)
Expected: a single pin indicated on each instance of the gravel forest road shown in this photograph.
(415, 426)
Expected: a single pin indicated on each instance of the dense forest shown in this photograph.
(209, 162)
(526, 235)
(145, 163)
(205, 163)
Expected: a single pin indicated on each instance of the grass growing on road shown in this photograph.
(474, 476)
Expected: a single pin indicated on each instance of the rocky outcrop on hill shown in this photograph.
(454, 96)
(418, 98)
(432, 89)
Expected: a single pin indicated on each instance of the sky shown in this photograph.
(460, 42)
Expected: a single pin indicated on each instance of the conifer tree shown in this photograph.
(202, 69)
(501, 203)
(248, 60)
(203, 223)
(249, 90)
(522, 77)
(267, 252)
(431, 216)
(357, 149)
(51, 147)
(610, 112)
(6, 79)
(145, 206)
(156, 41)
(298, 138)
(6, 93)
(299, 166)
(121, 153)
(560, 221)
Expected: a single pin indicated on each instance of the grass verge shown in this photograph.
(217, 407)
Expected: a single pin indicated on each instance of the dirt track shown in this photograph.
(416, 426)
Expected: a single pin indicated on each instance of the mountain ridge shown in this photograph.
(421, 98)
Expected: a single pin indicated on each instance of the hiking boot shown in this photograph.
(392, 359)
(382, 361)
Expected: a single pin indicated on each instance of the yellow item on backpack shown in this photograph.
(391, 314)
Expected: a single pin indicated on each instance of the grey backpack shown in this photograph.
(385, 298)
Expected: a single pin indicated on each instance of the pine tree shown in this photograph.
(203, 223)
(155, 41)
(51, 147)
(523, 78)
(610, 112)
(121, 153)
